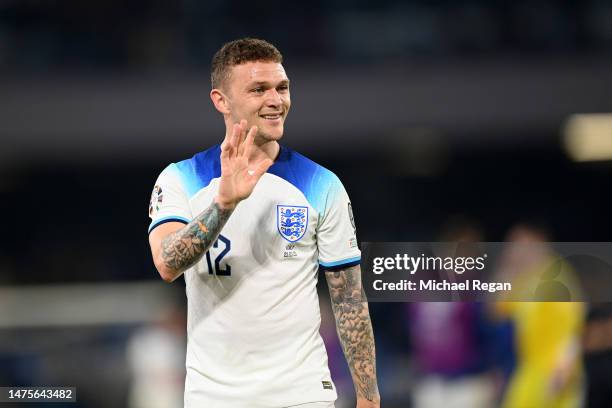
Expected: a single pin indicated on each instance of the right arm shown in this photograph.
(175, 246)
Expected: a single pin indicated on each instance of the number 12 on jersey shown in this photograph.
(216, 268)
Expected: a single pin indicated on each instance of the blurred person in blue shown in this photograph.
(547, 333)
(452, 342)
(249, 223)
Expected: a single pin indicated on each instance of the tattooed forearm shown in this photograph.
(354, 328)
(182, 249)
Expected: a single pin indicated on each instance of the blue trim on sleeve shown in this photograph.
(171, 218)
(345, 263)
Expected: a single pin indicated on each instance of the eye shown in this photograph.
(283, 88)
(257, 90)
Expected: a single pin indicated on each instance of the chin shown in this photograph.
(271, 134)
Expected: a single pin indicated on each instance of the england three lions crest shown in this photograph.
(292, 221)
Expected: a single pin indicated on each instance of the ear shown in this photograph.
(220, 101)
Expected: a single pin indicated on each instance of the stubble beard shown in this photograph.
(264, 137)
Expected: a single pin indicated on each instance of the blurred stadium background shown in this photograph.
(430, 112)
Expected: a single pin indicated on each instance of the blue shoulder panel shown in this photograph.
(312, 179)
(197, 172)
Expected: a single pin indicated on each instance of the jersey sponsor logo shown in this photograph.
(156, 199)
(291, 221)
(327, 385)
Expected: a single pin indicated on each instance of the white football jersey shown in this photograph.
(253, 309)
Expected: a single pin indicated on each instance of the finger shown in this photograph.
(227, 137)
(241, 141)
(234, 140)
(226, 145)
(243, 136)
(250, 140)
(261, 168)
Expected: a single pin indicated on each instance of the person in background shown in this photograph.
(547, 335)
(155, 356)
(451, 342)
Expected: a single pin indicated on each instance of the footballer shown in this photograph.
(249, 223)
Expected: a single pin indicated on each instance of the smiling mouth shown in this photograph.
(274, 116)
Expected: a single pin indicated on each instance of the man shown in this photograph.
(260, 221)
(547, 334)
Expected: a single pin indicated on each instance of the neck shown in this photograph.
(265, 148)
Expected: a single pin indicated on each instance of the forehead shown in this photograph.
(257, 71)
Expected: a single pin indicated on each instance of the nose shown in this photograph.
(273, 98)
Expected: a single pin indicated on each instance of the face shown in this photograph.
(259, 92)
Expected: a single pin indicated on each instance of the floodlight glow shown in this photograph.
(588, 137)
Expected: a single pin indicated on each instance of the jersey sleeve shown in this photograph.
(336, 232)
(169, 201)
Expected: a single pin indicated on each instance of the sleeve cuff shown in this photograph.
(344, 263)
(164, 220)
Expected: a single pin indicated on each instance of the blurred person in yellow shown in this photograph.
(549, 372)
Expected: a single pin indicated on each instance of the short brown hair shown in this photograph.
(238, 52)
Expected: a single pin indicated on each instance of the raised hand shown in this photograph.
(239, 175)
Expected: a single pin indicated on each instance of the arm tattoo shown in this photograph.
(354, 327)
(183, 248)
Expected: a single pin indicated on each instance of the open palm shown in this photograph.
(239, 175)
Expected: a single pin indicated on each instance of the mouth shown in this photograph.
(272, 116)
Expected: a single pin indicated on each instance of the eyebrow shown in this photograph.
(267, 83)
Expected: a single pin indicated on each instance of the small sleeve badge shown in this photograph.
(156, 199)
(352, 217)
